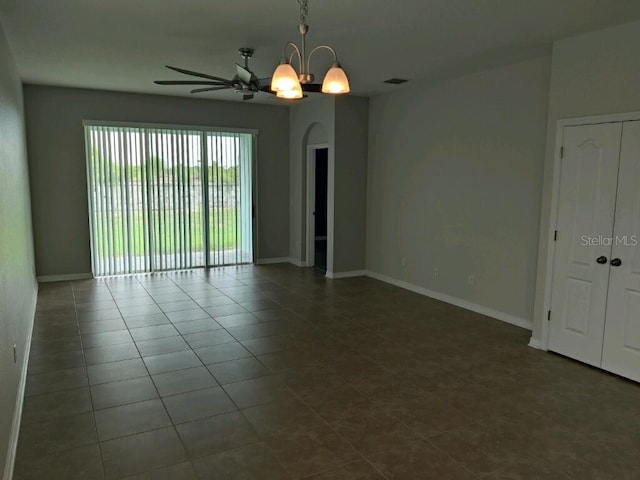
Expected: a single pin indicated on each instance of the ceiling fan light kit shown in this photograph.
(287, 83)
(291, 94)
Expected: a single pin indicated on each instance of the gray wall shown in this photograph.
(58, 175)
(18, 287)
(592, 74)
(350, 184)
(455, 178)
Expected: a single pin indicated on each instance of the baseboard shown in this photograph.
(269, 261)
(352, 273)
(535, 343)
(17, 412)
(296, 262)
(458, 302)
(65, 278)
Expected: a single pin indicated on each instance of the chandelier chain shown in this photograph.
(304, 10)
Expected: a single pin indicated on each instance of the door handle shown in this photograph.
(616, 262)
(602, 260)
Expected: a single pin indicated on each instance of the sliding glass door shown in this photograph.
(229, 209)
(167, 199)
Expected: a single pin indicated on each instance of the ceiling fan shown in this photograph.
(244, 82)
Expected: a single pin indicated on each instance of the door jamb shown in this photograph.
(555, 198)
(254, 198)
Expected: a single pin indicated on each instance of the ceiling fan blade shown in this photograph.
(264, 82)
(196, 74)
(247, 97)
(187, 82)
(198, 90)
(243, 74)
(312, 87)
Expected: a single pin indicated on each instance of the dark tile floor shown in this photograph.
(277, 373)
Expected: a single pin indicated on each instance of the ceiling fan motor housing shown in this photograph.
(246, 52)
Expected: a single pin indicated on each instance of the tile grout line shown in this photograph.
(93, 411)
(238, 409)
(173, 426)
(191, 349)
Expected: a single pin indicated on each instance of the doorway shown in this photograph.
(320, 217)
(317, 206)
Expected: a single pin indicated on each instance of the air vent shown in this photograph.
(396, 81)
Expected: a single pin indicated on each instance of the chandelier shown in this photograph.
(287, 83)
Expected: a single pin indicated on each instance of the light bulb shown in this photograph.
(290, 94)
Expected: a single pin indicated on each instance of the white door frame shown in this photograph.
(555, 197)
(254, 199)
(311, 200)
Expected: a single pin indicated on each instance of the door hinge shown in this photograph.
(561, 152)
(549, 315)
(555, 236)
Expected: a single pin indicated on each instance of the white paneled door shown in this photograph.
(588, 179)
(595, 303)
(621, 352)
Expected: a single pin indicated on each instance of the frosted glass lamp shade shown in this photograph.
(285, 79)
(335, 81)
(292, 94)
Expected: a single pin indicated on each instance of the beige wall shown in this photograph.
(58, 172)
(18, 287)
(592, 74)
(455, 177)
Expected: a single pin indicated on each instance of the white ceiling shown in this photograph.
(124, 44)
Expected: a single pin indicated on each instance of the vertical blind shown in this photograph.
(167, 199)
